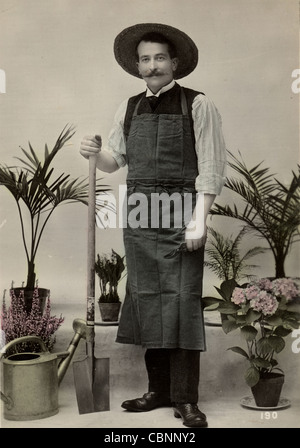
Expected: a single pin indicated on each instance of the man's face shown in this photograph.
(155, 65)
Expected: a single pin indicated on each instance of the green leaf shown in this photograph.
(228, 308)
(252, 376)
(282, 303)
(291, 323)
(249, 332)
(229, 325)
(241, 320)
(239, 350)
(37, 162)
(273, 321)
(277, 343)
(263, 346)
(274, 363)
(212, 307)
(32, 160)
(227, 287)
(209, 301)
(261, 362)
(281, 331)
(252, 316)
(293, 307)
(46, 151)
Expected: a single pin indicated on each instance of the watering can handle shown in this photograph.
(23, 339)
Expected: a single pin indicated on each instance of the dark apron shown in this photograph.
(162, 307)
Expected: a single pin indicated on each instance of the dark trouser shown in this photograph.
(174, 373)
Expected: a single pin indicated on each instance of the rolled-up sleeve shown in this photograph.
(210, 146)
(116, 144)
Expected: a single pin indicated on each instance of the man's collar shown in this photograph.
(162, 90)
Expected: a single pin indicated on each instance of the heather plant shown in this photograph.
(265, 311)
(16, 322)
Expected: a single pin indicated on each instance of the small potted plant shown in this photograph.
(17, 322)
(109, 270)
(265, 312)
(37, 193)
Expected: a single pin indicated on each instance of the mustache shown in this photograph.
(154, 73)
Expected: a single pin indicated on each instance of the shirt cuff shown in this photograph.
(119, 158)
(210, 184)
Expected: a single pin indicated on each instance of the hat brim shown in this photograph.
(126, 42)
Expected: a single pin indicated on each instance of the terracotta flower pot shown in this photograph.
(267, 391)
(109, 311)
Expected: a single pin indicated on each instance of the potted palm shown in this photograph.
(109, 271)
(270, 211)
(37, 192)
(225, 259)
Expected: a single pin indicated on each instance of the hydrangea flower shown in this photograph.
(265, 303)
(265, 311)
(285, 287)
(238, 296)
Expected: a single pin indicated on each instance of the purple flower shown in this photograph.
(238, 296)
(265, 303)
(264, 284)
(285, 287)
(15, 322)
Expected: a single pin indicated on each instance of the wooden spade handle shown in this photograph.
(90, 317)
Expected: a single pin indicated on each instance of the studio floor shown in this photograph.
(222, 393)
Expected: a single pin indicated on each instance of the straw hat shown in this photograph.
(126, 42)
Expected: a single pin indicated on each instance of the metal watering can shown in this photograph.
(30, 381)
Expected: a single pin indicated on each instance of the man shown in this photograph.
(171, 139)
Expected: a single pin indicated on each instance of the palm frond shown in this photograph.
(35, 184)
(223, 255)
(268, 208)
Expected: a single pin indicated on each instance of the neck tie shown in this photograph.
(153, 101)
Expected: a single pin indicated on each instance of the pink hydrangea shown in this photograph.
(238, 296)
(285, 287)
(265, 303)
(252, 292)
(264, 283)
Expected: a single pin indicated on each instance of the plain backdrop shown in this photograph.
(58, 60)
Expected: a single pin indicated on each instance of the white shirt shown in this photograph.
(209, 142)
(162, 90)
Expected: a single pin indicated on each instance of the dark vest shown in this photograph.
(168, 103)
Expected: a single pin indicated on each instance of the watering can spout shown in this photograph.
(79, 327)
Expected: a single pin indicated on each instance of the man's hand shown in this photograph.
(195, 236)
(90, 146)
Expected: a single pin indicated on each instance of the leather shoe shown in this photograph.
(149, 401)
(190, 415)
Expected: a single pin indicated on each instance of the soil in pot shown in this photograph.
(267, 391)
(109, 311)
